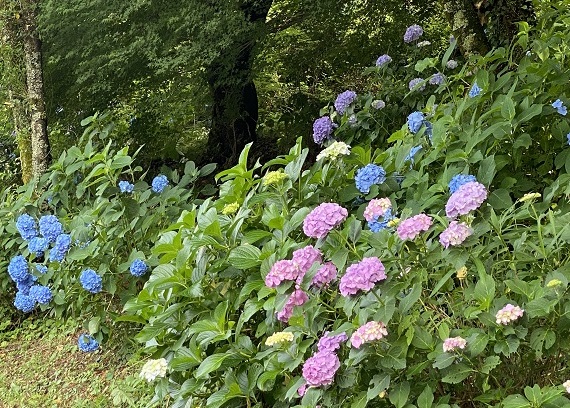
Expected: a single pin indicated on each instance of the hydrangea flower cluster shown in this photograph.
(321, 220)
(559, 106)
(437, 79)
(475, 91)
(284, 270)
(323, 128)
(320, 370)
(325, 275)
(344, 100)
(159, 183)
(231, 208)
(126, 187)
(383, 60)
(415, 121)
(38, 246)
(451, 64)
(566, 385)
(87, 343)
(367, 333)
(369, 175)
(41, 294)
(90, 281)
(453, 343)
(333, 151)
(376, 208)
(378, 104)
(23, 302)
(458, 180)
(304, 258)
(18, 268)
(508, 314)
(455, 234)
(424, 43)
(154, 369)
(331, 342)
(27, 227)
(411, 228)
(279, 338)
(297, 298)
(467, 198)
(274, 177)
(60, 248)
(362, 276)
(415, 82)
(380, 223)
(413, 33)
(20, 274)
(138, 268)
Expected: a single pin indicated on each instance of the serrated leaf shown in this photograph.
(245, 257)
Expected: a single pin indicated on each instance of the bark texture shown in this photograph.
(466, 27)
(235, 108)
(41, 156)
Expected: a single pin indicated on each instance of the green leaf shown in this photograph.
(444, 360)
(490, 363)
(528, 114)
(211, 363)
(245, 257)
(486, 170)
(515, 401)
(425, 399)
(399, 394)
(456, 373)
(94, 324)
(185, 359)
(500, 199)
(508, 108)
(408, 301)
(485, 291)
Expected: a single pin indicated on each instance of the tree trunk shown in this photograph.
(41, 156)
(235, 108)
(466, 27)
(22, 135)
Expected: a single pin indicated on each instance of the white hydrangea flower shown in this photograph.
(154, 369)
(334, 150)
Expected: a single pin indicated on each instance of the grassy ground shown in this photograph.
(41, 366)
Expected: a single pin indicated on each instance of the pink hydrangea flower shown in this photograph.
(455, 234)
(297, 298)
(281, 271)
(377, 208)
(304, 258)
(467, 198)
(331, 343)
(362, 276)
(508, 314)
(320, 369)
(302, 390)
(452, 343)
(325, 275)
(319, 222)
(368, 332)
(410, 228)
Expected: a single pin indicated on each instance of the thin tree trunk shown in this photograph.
(41, 156)
(22, 135)
(466, 27)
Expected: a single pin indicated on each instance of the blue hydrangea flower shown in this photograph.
(369, 175)
(27, 227)
(559, 106)
(437, 79)
(90, 281)
(475, 91)
(24, 302)
(138, 268)
(413, 33)
(126, 187)
(60, 248)
(50, 227)
(383, 60)
(414, 82)
(413, 151)
(41, 294)
(41, 268)
(18, 268)
(38, 245)
(159, 183)
(87, 343)
(322, 129)
(568, 139)
(415, 121)
(458, 180)
(376, 225)
(25, 285)
(344, 100)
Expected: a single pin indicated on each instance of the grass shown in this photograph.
(41, 366)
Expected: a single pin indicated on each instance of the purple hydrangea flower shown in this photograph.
(458, 180)
(319, 222)
(281, 271)
(415, 121)
(411, 228)
(383, 60)
(304, 258)
(467, 198)
(362, 276)
(27, 227)
(369, 175)
(378, 104)
(437, 79)
(455, 234)
(559, 106)
(344, 100)
(60, 248)
(475, 91)
(331, 342)
(416, 81)
(321, 368)
(325, 275)
(368, 332)
(413, 33)
(297, 298)
(50, 227)
(323, 128)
